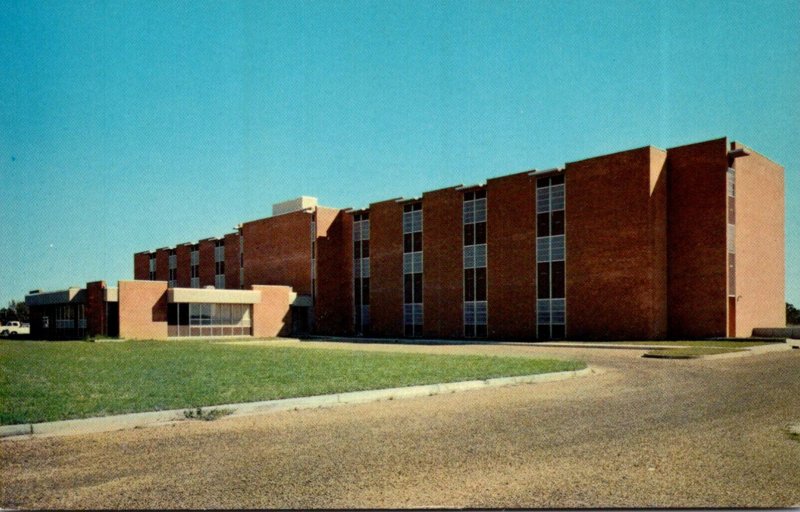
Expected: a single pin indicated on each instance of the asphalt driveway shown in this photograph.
(645, 433)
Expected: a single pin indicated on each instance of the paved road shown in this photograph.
(646, 433)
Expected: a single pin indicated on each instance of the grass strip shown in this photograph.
(687, 353)
(695, 344)
(46, 381)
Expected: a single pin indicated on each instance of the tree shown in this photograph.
(15, 311)
(792, 315)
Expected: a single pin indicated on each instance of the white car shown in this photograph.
(15, 328)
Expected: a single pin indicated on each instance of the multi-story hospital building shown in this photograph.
(640, 244)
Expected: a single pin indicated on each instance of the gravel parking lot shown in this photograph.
(644, 433)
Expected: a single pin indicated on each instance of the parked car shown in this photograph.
(15, 328)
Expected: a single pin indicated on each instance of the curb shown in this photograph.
(748, 352)
(606, 346)
(144, 419)
(740, 352)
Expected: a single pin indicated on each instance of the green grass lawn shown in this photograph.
(46, 381)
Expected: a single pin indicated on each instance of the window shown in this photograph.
(731, 235)
(313, 231)
(241, 260)
(195, 266)
(550, 257)
(474, 264)
(199, 319)
(219, 264)
(173, 269)
(361, 271)
(152, 268)
(412, 269)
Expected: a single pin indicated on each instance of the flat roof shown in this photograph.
(72, 295)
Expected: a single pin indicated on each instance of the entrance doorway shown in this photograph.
(299, 320)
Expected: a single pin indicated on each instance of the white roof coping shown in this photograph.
(213, 296)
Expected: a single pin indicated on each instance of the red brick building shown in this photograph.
(640, 244)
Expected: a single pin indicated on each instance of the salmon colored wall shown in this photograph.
(759, 244)
(142, 309)
(272, 317)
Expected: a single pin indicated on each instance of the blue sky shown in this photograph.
(127, 126)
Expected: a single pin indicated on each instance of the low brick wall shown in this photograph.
(777, 332)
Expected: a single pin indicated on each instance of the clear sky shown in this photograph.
(127, 126)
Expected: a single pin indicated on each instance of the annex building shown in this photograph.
(640, 244)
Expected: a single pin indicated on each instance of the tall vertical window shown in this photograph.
(314, 258)
(173, 269)
(195, 266)
(241, 260)
(475, 301)
(361, 270)
(219, 264)
(550, 258)
(731, 178)
(152, 268)
(412, 269)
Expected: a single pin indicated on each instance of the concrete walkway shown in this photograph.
(154, 418)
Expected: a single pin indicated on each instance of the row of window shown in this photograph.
(474, 264)
(209, 319)
(550, 256)
(194, 268)
(219, 264)
(361, 271)
(412, 269)
(731, 181)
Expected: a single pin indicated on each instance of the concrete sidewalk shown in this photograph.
(154, 418)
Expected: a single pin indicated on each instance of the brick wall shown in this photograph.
(697, 235)
(386, 268)
(141, 265)
(615, 258)
(333, 311)
(278, 251)
(511, 246)
(162, 264)
(184, 272)
(95, 308)
(232, 260)
(442, 244)
(207, 266)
